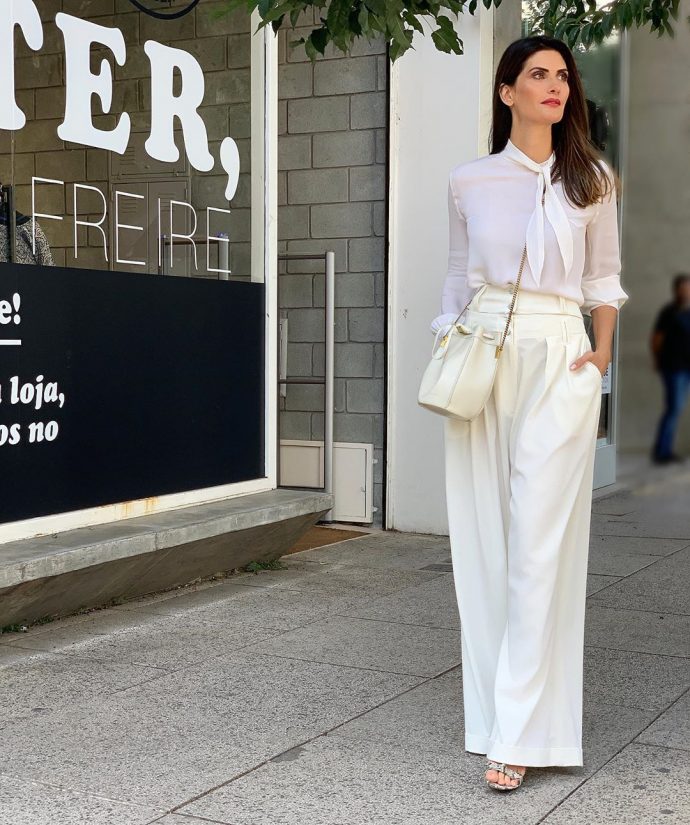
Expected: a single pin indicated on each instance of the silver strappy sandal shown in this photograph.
(503, 768)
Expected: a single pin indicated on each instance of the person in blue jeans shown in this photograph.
(670, 344)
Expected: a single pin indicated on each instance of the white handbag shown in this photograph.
(460, 376)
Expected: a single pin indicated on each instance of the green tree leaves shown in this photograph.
(341, 22)
(582, 24)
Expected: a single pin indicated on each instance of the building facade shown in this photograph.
(187, 175)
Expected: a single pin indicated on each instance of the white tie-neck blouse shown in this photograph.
(495, 207)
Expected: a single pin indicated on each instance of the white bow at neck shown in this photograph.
(552, 207)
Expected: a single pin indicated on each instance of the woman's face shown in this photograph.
(543, 78)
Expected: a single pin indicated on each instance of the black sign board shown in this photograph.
(115, 387)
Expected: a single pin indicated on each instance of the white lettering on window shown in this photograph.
(97, 225)
(21, 13)
(34, 213)
(119, 226)
(81, 84)
(221, 239)
(166, 106)
(189, 237)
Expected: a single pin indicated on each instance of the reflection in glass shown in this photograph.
(99, 209)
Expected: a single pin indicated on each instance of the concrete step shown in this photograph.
(55, 575)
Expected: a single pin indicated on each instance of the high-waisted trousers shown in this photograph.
(519, 493)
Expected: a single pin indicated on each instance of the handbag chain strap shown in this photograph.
(499, 348)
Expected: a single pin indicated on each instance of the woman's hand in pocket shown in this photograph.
(600, 359)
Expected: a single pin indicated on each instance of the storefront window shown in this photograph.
(132, 164)
(162, 98)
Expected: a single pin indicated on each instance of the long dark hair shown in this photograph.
(577, 158)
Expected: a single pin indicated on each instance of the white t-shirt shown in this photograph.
(494, 207)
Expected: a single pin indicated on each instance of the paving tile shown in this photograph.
(384, 646)
(163, 743)
(648, 484)
(637, 544)
(655, 525)
(642, 784)
(337, 578)
(633, 679)
(37, 683)
(672, 728)
(431, 715)
(33, 630)
(336, 780)
(620, 504)
(596, 582)
(606, 729)
(409, 551)
(663, 586)
(446, 567)
(97, 622)
(433, 604)
(11, 654)
(290, 573)
(183, 819)
(23, 802)
(275, 607)
(197, 589)
(428, 716)
(646, 631)
(144, 639)
(607, 560)
(332, 687)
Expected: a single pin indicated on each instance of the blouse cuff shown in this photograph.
(608, 292)
(590, 305)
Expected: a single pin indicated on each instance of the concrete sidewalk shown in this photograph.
(329, 693)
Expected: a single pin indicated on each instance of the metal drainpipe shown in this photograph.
(330, 355)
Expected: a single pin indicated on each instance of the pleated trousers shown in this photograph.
(519, 492)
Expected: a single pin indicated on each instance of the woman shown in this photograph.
(519, 477)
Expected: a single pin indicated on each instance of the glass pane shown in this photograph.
(161, 97)
(128, 153)
(600, 70)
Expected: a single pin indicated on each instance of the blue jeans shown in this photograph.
(676, 387)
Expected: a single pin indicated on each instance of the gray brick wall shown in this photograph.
(331, 161)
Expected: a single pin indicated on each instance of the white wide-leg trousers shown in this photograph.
(519, 492)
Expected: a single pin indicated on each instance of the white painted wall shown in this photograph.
(440, 115)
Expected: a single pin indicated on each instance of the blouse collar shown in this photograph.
(512, 151)
(552, 209)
